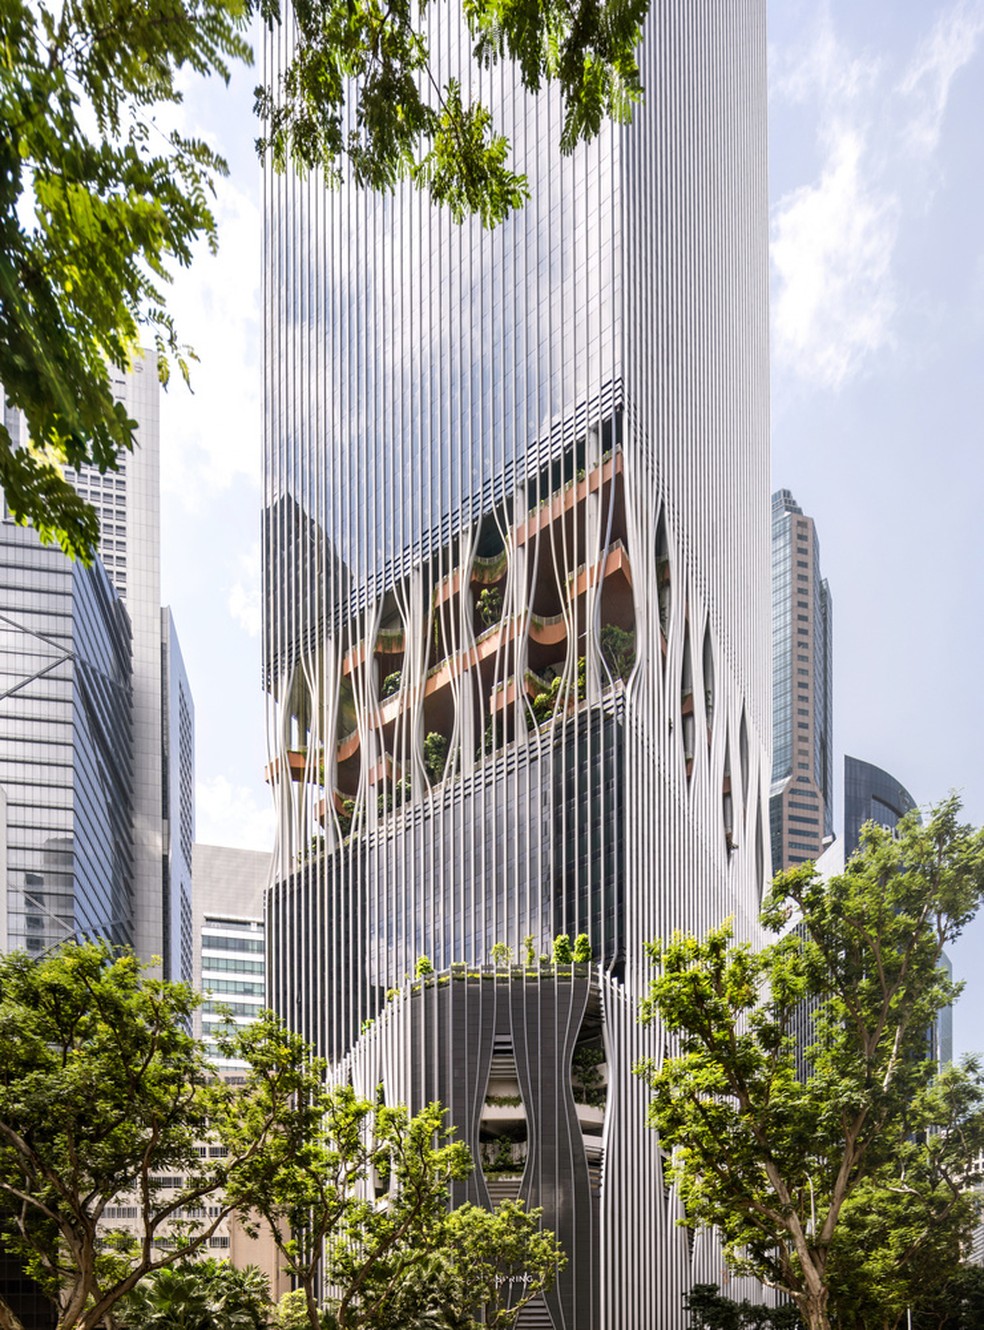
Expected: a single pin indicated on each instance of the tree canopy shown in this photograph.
(708, 1309)
(97, 203)
(109, 1105)
(105, 1097)
(847, 1153)
(356, 1195)
(362, 97)
(200, 1295)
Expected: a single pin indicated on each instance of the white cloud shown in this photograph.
(832, 246)
(211, 436)
(229, 814)
(244, 596)
(836, 292)
(821, 68)
(928, 78)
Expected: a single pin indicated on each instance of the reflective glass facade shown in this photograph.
(178, 811)
(159, 716)
(801, 798)
(65, 747)
(871, 795)
(516, 637)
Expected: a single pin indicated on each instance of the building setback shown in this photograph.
(516, 638)
(801, 797)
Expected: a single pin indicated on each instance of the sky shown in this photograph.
(876, 113)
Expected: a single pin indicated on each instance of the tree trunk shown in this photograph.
(9, 1320)
(314, 1315)
(813, 1309)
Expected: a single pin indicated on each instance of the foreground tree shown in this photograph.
(97, 205)
(201, 1295)
(360, 95)
(958, 1305)
(106, 1097)
(815, 1158)
(709, 1309)
(357, 1198)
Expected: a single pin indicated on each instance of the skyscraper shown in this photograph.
(99, 789)
(178, 790)
(871, 795)
(128, 503)
(65, 748)
(516, 635)
(801, 797)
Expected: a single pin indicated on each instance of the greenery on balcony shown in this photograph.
(499, 1156)
(491, 569)
(395, 796)
(587, 1081)
(618, 650)
(488, 602)
(344, 815)
(435, 755)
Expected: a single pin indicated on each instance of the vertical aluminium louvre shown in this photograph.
(516, 637)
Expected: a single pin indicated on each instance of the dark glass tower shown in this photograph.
(516, 639)
(871, 795)
(801, 797)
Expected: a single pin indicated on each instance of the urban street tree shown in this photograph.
(807, 1116)
(106, 1099)
(357, 1196)
(98, 202)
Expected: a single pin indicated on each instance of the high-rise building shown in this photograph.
(178, 786)
(52, 609)
(801, 796)
(230, 967)
(128, 503)
(65, 748)
(516, 638)
(871, 795)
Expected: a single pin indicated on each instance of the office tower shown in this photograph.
(128, 503)
(115, 612)
(178, 786)
(516, 632)
(871, 795)
(229, 947)
(801, 796)
(65, 748)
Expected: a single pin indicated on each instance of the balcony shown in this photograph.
(569, 498)
(293, 763)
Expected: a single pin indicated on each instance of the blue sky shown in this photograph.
(876, 164)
